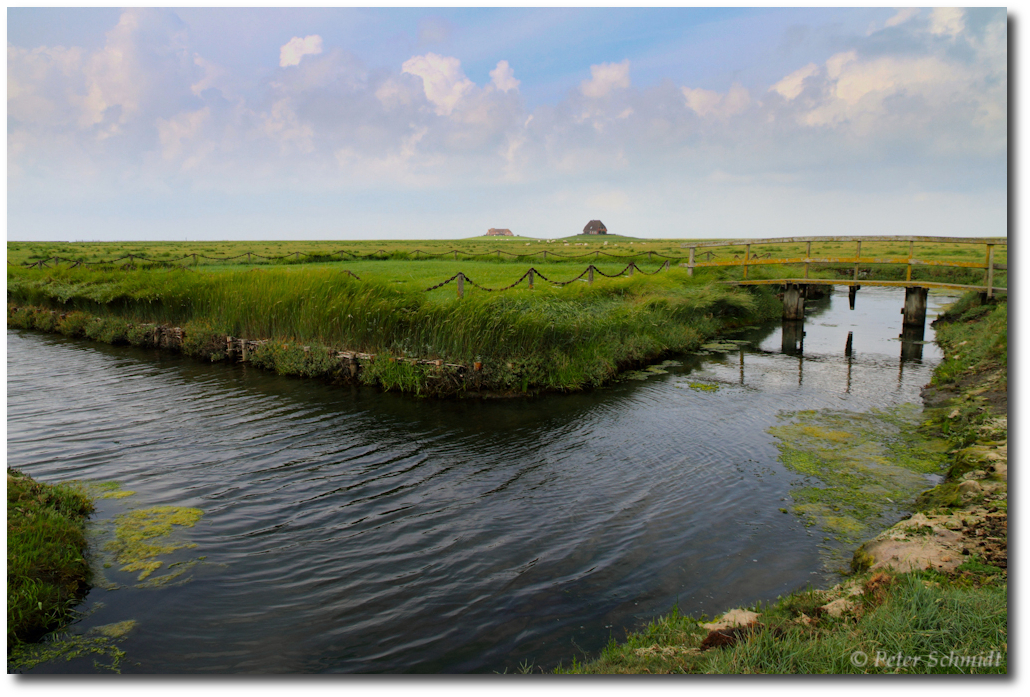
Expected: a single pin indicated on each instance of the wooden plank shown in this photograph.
(850, 238)
(865, 282)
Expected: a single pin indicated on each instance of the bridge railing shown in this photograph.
(750, 258)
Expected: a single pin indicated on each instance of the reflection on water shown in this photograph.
(346, 530)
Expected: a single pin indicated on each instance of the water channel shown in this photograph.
(347, 530)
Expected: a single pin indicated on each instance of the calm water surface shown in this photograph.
(346, 530)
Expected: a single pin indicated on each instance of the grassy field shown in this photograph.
(578, 251)
(393, 298)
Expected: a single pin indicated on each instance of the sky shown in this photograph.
(199, 123)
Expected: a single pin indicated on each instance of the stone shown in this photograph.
(838, 607)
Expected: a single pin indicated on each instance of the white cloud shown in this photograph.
(296, 48)
(605, 78)
(504, 77)
(948, 21)
(710, 103)
(902, 16)
(442, 79)
(792, 85)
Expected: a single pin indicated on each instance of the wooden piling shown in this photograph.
(915, 306)
(808, 257)
(590, 274)
(793, 302)
(690, 262)
(990, 271)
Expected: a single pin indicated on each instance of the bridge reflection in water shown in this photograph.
(793, 333)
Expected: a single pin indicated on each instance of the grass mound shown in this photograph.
(46, 570)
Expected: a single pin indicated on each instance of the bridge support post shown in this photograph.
(912, 342)
(794, 302)
(852, 292)
(793, 341)
(915, 306)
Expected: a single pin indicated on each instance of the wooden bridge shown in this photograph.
(797, 289)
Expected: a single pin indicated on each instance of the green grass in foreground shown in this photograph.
(46, 571)
(548, 338)
(926, 615)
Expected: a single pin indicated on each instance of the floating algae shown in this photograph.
(649, 371)
(703, 386)
(859, 468)
(725, 345)
(99, 641)
(144, 534)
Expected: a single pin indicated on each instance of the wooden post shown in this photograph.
(858, 255)
(531, 279)
(747, 258)
(990, 271)
(808, 257)
(690, 262)
(498, 254)
(649, 255)
(461, 285)
(248, 257)
(666, 265)
(911, 250)
(194, 258)
(590, 274)
(852, 292)
(545, 255)
(630, 269)
(915, 306)
(455, 255)
(793, 302)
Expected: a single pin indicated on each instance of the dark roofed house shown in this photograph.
(595, 227)
(499, 231)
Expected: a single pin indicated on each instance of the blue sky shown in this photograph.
(387, 123)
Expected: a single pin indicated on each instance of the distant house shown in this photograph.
(499, 231)
(595, 227)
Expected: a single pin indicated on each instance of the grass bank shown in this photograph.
(927, 595)
(47, 572)
(549, 338)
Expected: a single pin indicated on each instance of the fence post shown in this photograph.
(858, 255)
(990, 271)
(455, 255)
(747, 258)
(531, 279)
(248, 257)
(194, 258)
(630, 269)
(590, 274)
(461, 285)
(666, 265)
(545, 255)
(498, 254)
(690, 262)
(911, 251)
(808, 257)
(649, 255)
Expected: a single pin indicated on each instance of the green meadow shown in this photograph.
(400, 299)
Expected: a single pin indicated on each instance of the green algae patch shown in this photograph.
(857, 469)
(703, 386)
(142, 535)
(101, 642)
(117, 630)
(117, 494)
